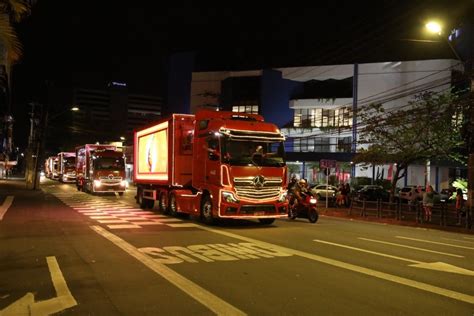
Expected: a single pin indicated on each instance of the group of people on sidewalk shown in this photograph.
(428, 199)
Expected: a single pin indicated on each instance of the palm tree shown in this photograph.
(11, 11)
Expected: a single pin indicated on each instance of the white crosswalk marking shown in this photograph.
(115, 215)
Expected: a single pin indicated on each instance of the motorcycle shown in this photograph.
(305, 208)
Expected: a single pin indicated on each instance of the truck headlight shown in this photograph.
(97, 183)
(283, 196)
(229, 197)
(124, 183)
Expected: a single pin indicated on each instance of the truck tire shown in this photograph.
(206, 210)
(162, 203)
(172, 206)
(140, 200)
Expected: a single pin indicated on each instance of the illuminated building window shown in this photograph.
(317, 117)
(249, 109)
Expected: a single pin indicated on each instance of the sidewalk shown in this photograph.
(13, 184)
(344, 212)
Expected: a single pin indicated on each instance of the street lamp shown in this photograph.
(435, 27)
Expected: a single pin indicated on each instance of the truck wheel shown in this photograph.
(120, 193)
(162, 205)
(266, 221)
(140, 200)
(206, 210)
(173, 208)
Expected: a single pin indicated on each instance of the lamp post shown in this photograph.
(37, 141)
(437, 28)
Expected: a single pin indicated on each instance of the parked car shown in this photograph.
(373, 193)
(409, 194)
(320, 191)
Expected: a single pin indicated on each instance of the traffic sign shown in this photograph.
(327, 163)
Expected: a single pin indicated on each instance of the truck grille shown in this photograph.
(252, 209)
(110, 179)
(258, 187)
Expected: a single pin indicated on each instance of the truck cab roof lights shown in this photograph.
(260, 135)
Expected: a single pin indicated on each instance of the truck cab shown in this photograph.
(100, 168)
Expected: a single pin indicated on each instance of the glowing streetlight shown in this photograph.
(434, 27)
(122, 138)
(75, 109)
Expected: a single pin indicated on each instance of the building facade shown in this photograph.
(313, 106)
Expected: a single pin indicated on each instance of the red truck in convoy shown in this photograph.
(213, 165)
(67, 166)
(100, 168)
(51, 168)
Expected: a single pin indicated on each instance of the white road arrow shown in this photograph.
(27, 305)
(438, 266)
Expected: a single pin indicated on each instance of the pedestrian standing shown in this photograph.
(459, 205)
(428, 202)
(347, 191)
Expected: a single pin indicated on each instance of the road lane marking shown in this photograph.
(435, 242)
(111, 221)
(64, 297)
(185, 225)
(461, 241)
(6, 205)
(147, 223)
(367, 251)
(103, 217)
(206, 298)
(439, 266)
(377, 274)
(411, 247)
(124, 226)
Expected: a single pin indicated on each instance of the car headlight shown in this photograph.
(283, 196)
(229, 197)
(97, 183)
(313, 201)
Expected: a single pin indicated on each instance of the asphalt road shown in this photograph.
(78, 254)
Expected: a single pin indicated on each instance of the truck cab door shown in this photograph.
(213, 161)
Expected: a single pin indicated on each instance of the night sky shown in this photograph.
(89, 43)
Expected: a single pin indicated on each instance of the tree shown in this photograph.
(11, 11)
(426, 128)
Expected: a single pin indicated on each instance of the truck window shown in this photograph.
(213, 148)
(109, 163)
(187, 142)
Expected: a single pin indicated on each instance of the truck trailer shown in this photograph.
(100, 168)
(214, 165)
(67, 166)
(51, 168)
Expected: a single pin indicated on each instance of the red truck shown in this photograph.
(213, 165)
(67, 166)
(100, 168)
(51, 168)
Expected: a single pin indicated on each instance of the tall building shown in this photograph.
(112, 114)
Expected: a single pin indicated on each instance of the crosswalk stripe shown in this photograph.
(118, 226)
(147, 223)
(111, 221)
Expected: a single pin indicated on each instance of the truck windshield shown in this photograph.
(69, 162)
(109, 163)
(257, 153)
